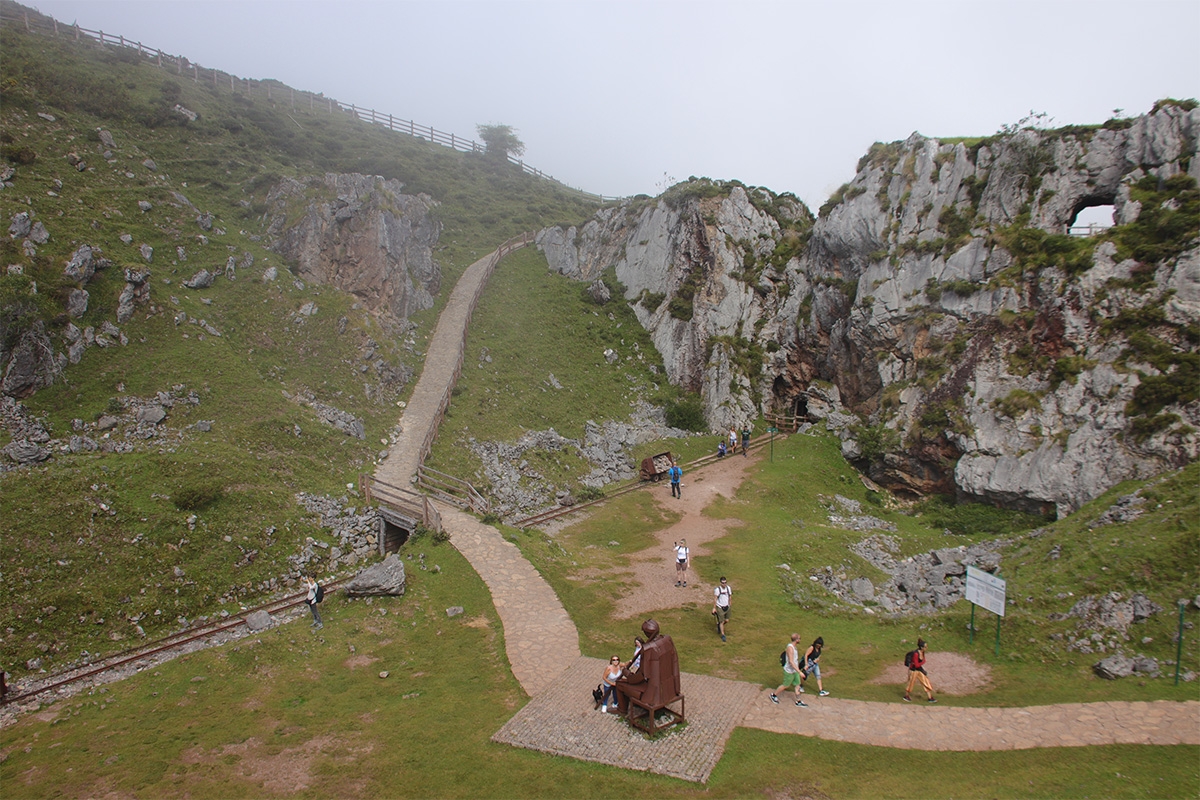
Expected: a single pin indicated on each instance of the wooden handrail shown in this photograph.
(247, 86)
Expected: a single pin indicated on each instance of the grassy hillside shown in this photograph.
(93, 540)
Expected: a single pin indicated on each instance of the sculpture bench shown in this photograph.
(647, 721)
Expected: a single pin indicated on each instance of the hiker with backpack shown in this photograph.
(316, 593)
(790, 659)
(676, 475)
(811, 656)
(720, 610)
(915, 661)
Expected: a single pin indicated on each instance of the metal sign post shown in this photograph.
(986, 590)
(772, 430)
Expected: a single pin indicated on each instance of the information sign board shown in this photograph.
(986, 590)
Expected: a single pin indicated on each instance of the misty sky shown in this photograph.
(615, 97)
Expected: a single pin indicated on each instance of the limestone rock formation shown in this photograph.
(977, 347)
(362, 235)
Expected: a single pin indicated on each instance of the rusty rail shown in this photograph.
(168, 642)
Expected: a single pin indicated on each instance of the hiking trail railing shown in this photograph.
(413, 504)
(276, 92)
(515, 243)
(450, 489)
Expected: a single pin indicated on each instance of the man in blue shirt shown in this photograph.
(676, 475)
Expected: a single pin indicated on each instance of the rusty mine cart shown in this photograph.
(655, 467)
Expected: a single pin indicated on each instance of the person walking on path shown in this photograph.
(791, 672)
(676, 475)
(916, 672)
(312, 600)
(732, 439)
(611, 673)
(811, 656)
(681, 562)
(745, 440)
(721, 595)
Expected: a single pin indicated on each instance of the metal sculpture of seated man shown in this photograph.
(656, 682)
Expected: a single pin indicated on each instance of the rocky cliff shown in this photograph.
(938, 312)
(361, 234)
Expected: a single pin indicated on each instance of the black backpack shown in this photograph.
(783, 658)
(320, 593)
(908, 658)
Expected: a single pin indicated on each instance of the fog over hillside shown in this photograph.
(625, 98)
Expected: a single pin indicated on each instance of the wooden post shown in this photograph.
(329, 100)
(52, 19)
(390, 126)
(27, 22)
(159, 58)
(77, 31)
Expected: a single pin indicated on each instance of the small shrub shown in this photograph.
(876, 441)
(1017, 402)
(18, 154)
(686, 414)
(194, 498)
(1068, 369)
(586, 494)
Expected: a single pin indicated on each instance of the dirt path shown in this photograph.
(653, 569)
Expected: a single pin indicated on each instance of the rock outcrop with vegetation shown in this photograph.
(941, 300)
(361, 234)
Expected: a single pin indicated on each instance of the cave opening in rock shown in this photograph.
(1092, 215)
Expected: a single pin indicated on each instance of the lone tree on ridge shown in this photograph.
(501, 140)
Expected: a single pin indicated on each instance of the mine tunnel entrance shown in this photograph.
(394, 530)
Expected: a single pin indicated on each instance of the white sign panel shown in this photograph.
(986, 590)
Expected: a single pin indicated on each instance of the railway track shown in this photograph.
(136, 658)
(555, 513)
(64, 683)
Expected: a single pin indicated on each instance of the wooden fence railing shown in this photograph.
(787, 423)
(1094, 229)
(415, 503)
(276, 92)
(450, 489)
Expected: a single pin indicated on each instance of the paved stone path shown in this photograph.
(437, 376)
(542, 645)
(920, 726)
(539, 638)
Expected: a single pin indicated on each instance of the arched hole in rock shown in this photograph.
(1092, 215)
